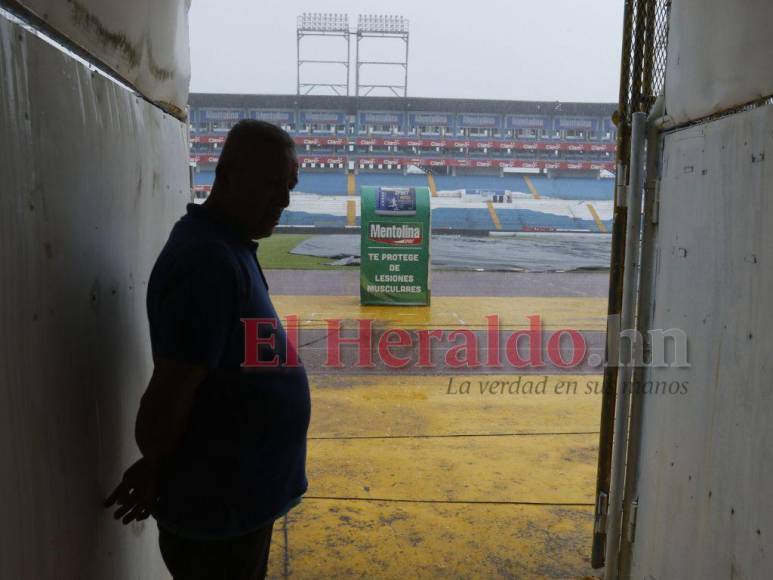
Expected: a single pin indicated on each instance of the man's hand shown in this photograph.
(137, 493)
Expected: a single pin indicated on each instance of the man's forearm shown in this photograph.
(159, 428)
(165, 409)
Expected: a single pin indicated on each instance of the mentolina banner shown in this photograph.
(395, 242)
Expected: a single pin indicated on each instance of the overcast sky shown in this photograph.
(567, 50)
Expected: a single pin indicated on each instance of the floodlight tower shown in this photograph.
(382, 26)
(319, 24)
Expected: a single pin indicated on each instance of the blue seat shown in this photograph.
(204, 178)
(520, 219)
(391, 180)
(461, 218)
(473, 182)
(323, 183)
(574, 187)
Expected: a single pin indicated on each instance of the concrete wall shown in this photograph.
(706, 464)
(719, 56)
(143, 41)
(91, 179)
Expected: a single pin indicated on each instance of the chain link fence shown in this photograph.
(643, 63)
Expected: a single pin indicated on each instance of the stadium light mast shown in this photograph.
(323, 24)
(371, 26)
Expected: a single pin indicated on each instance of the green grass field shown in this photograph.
(274, 253)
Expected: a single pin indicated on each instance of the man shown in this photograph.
(223, 446)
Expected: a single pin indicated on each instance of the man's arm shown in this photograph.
(161, 423)
(192, 316)
(165, 408)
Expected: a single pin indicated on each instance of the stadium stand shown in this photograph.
(524, 219)
(541, 151)
(461, 219)
(204, 177)
(473, 182)
(391, 180)
(574, 188)
(322, 183)
(302, 218)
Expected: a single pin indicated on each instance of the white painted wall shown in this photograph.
(719, 56)
(144, 41)
(706, 465)
(91, 179)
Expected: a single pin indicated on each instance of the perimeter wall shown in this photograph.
(92, 176)
(706, 455)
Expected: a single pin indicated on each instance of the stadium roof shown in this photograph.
(353, 104)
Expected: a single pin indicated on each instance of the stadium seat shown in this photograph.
(391, 180)
(333, 183)
(473, 182)
(574, 188)
(204, 178)
(461, 219)
(520, 219)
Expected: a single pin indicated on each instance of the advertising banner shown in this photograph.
(385, 118)
(430, 119)
(322, 118)
(523, 122)
(479, 121)
(274, 117)
(576, 124)
(395, 246)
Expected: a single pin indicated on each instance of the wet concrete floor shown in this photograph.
(446, 472)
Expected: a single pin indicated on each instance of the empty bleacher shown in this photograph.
(333, 183)
(574, 187)
(461, 219)
(524, 219)
(330, 207)
(391, 180)
(472, 182)
(561, 187)
(316, 210)
(204, 178)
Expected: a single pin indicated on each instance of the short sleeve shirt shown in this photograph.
(242, 459)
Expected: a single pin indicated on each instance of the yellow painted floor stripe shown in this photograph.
(449, 312)
(533, 469)
(402, 405)
(351, 212)
(431, 183)
(442, 507)
(599, 224)
(351, 181)
(494, 217)
(530, 185)
(339, 539)
(408, 479)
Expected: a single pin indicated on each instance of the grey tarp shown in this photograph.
(528, 252)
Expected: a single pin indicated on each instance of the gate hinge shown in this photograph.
(631, 532)
(600, 518)
(653, 189)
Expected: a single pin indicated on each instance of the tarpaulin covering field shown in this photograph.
(532, 253)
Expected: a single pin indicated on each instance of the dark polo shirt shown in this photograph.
(242, 459)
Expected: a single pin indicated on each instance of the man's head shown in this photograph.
(255, 173)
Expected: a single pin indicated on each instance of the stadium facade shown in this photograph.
(529, 158)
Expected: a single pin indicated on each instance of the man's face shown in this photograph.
(262, 190)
